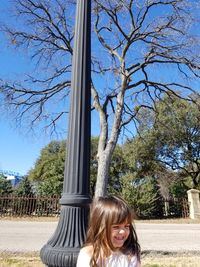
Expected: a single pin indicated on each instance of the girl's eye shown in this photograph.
(118, 227)
(115, 227)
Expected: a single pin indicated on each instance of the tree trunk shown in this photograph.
(107, 145)
(166, 208)
(106, 148)
(103, 173)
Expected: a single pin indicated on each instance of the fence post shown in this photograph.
(194, 203)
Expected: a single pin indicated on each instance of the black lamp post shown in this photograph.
(62, 249)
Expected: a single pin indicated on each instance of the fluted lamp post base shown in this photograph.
(63, 248)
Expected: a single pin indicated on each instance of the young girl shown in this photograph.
(111, 239)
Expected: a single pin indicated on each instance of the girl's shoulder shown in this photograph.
(84, 256)
(87, 250)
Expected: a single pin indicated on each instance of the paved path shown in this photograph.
(25, 236)
(169, 237)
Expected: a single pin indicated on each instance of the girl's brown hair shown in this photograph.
(106, 211)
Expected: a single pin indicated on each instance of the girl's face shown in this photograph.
(119, 234)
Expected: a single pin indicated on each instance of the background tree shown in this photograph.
(175, 138)
(145, 186)
(24, 188)
(5, 186)
(142, 195)
(48, 172)
(178, 130)
(141, 156)
(93, 164)
(146, 174)
(142, 50)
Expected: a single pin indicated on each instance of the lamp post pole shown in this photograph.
(63, 247)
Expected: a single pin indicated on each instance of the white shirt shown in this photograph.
(116, 259)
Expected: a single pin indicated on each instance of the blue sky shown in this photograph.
(18, 149)
(18, 152)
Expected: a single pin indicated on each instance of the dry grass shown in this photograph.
(20, 259)
(149, 259)
(153, 259)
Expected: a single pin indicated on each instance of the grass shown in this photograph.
(149, 259)
(8, 259)
(170, 259)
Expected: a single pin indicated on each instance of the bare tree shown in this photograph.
(142, 49)
(45, 31)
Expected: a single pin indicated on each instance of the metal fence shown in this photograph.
(29, 206)
(13, 205)
(175, 207)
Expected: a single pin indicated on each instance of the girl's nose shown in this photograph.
(122, 230)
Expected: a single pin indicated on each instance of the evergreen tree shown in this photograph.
(5, 186)
(143, 196)
(48, 172)
(24, 188)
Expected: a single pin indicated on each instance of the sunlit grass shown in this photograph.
(149, 259)
(170, 259)
(20, 259)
